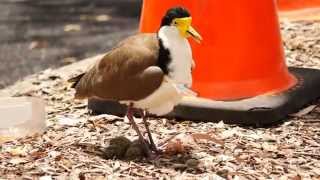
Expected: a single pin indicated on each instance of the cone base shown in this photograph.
(259, 111)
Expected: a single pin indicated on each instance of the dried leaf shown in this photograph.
(269, 147)
(38, 154)
(67, 121)
(207, 137)
(298, 177)
(174, 147)
(18, 151)
(228, 133)
(16, 161)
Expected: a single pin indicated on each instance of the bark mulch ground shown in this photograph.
(74, 141)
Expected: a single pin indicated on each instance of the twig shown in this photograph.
(307, 154)
(64, 167)
(167, 140)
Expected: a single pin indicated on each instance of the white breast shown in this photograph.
(168, 95)
(180, 53)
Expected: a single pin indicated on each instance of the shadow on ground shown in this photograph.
(120, 148)
(38, 34)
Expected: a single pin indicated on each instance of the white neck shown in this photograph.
(180, 54)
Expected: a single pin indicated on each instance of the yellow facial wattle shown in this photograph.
(183, 25)
(185, 28)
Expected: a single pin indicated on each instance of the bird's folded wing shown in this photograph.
(125, 73)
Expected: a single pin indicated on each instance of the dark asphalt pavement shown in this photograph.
(38, 34)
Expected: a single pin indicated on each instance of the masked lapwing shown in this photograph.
(148, 72)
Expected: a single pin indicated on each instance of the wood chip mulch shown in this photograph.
(73, 144)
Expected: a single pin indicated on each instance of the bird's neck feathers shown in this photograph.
(164, 52)
(175, 55)
(169, 33)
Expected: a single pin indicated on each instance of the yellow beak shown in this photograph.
(186, 30)
(194, 34)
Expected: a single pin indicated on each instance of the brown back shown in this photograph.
(127, 72)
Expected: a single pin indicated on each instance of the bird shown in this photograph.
(148, 72)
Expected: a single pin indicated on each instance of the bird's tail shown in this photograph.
(75, 80)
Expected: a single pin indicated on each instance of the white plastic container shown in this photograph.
(21, 116)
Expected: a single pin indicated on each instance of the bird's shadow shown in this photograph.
(184, 162)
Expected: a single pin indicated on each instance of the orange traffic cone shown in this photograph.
(241, 55)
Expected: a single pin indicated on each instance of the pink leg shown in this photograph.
(144, 118)
(135, 127)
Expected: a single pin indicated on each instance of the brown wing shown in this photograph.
(127, 72)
